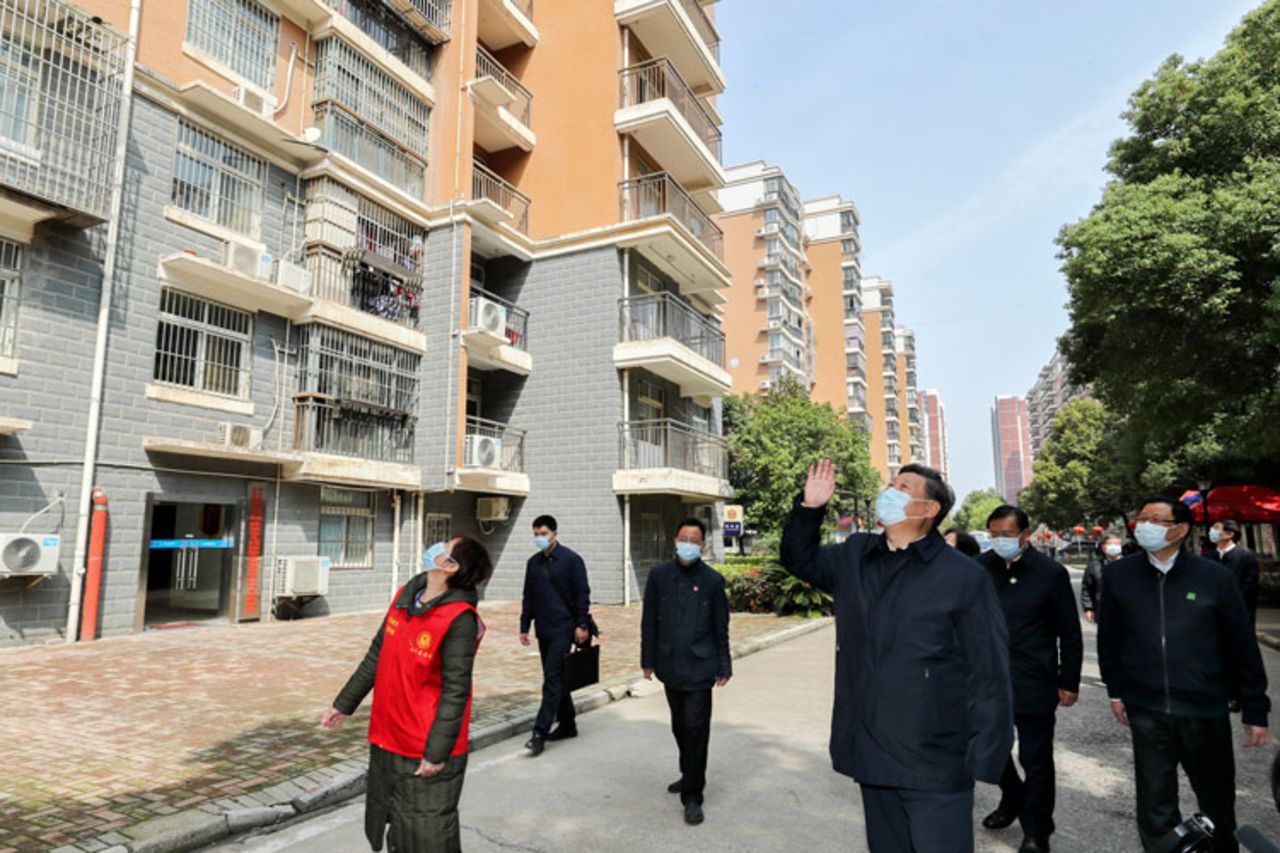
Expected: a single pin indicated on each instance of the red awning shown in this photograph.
(1241, 503)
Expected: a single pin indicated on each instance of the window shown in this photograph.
(19, 100)
(346, 527)
(217, 181)
(439, 527)
(203, 345)
(10, 282)
(241, 34)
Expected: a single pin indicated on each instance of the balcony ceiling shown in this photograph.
(667, 136)
(503, 23)
(664, 27)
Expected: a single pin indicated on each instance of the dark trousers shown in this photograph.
(557, 702)
(413, 814)
(1033, 798)
(691, 724)
(1202, 745)
(905, 821)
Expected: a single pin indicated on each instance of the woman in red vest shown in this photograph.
(419, 668)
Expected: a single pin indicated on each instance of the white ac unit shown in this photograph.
(764, 383)
(231, 434)
(493, 509)
(764, 356)
(292, 276)
(767, 228)
(248, 260)
(483, 451)
(490, 316)
(297, 577)
(775, 323)
(258, 103)
(29, 554)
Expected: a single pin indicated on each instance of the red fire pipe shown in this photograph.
(93, 575)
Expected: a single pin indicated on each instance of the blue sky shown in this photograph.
(968, 133)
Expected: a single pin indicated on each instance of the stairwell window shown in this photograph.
(240, 34)
(203, 345)
(218, 181)
(10, 282)
(439, 527)
(346, 527)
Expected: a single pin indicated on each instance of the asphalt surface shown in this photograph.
(770, 783)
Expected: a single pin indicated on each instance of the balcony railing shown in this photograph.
(345, 134)
(658, 194)
(426, 15)
(367, 91)
(671, 444)
(658, 78)
(703, 25)
(517, 318)
(61, 74)
(488, 66)
(508, 455)
(390, 31)
(487, 185)
(324, 426)
(665, 315)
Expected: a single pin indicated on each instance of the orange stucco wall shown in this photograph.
(875, 394)
(745, 317)
(826, 308)
(905, 425)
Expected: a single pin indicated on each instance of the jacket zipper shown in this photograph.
(1164, 649)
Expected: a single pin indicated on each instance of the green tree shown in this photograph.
(1174, 277)
(974, 509)
(771, 442)
(1062, 491)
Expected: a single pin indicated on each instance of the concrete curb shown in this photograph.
(213, 822)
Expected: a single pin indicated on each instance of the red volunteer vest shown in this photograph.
(406, 688)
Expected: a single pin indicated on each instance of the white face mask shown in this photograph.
(1113, 550)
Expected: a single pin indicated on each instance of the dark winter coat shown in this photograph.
(557, 598)
(1091, 587)
(1242, 563)
(684, 629)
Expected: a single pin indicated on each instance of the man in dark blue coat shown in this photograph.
(922, 697)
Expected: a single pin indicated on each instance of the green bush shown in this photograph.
(752, 591)
(772, 589)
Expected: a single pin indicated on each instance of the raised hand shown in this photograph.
(821, 484)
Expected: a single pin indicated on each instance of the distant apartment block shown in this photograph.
(1051, 391)
(833, 249)
(937, 449)
(1011, 446)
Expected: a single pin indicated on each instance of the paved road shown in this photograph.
(771, 787)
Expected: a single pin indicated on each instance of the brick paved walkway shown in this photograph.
(100, 736)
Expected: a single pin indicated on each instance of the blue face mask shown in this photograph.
(687, 552)
(1007, 547)
(542, 543)
(1151, 536)
(1215, 535)
(429, 556)
(891, 506)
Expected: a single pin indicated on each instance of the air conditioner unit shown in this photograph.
(764, 383)
(483, 451)
(292, 276)
(247, 260)
(765, 356)
(231, 434)
(768, 228)
(258, 103)
(491, 317)
(29, 554)
(297, 577)
(775, 323)
(493, 509)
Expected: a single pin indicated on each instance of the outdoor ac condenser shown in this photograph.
(297, 577)
(482, 451)
(247, 260)
(493, 509)
(491, 317)
(29, 554)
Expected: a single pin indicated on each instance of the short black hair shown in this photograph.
(935, 489)
(1232, 526)
(965, 543)
(692, 522)
(475, 566)
(1008, 510)
(547, 521)
(1182, 513)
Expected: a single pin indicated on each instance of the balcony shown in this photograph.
(497, 334)
(682, 241)
(504, 107)
(429, 17)
(666, 457)
(666, 336)
(62, 73)
(681, 30)
(343, 133)
(663, 115)
(506, 22)
(350, 446)
(496, 202)
(493, 459)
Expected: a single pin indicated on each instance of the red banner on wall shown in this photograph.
(251, 589)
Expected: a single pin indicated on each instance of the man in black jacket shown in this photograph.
(1174, 644)
(1240, 561)
(1110, 549)
(557, 600)
(922, 696)
(684, 639)
(1045, 653)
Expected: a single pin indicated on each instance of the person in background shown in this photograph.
(1110, 549)
(962, 542)
(419, 668)
(1239, 560)
(684, 640)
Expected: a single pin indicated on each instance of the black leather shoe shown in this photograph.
(535, 745)
(1001, 818)
(674, 787)
(693, 813)
(1034, 845)
(561, 733)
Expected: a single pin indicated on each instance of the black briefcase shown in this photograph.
(582, 666)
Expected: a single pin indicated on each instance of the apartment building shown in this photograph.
(832, 249)
(1011, 446)
(904, 341)
(381, 271)
(1051, 391)
(936, 443)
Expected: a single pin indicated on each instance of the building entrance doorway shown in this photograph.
(189, 562)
